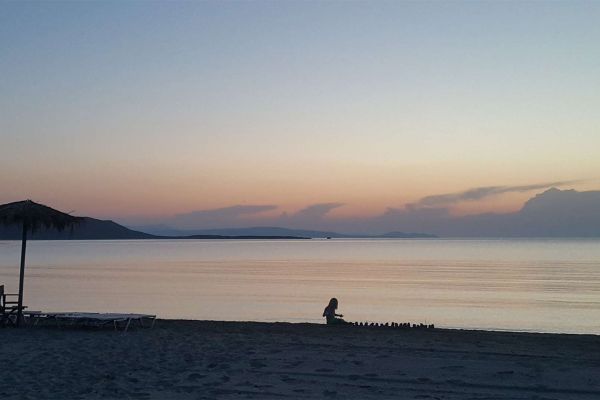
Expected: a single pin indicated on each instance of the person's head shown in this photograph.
(333, 303)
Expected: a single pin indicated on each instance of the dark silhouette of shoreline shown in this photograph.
(95, 229)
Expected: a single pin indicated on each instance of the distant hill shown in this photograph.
(163, 230)
(273, 231)
(95, 229)
(553, 213)
(89, 229)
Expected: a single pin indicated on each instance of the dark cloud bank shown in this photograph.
(480, 193)
(553, 213)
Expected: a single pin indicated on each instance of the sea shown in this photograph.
(534, 285)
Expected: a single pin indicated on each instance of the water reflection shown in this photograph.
(542, 285)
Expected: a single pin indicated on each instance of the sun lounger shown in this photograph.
(8, 308)
(99, 319)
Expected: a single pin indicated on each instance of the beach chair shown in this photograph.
(8, 307)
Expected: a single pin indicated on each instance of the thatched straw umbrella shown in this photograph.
(32, 216)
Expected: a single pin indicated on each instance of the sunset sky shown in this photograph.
(137, 110)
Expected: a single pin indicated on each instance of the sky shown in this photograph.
(138, 111)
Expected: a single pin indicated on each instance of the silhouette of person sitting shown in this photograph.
(330, 315)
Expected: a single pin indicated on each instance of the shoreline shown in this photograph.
(309, 325)
(191, 359)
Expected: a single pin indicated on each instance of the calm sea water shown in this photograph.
(532, 285)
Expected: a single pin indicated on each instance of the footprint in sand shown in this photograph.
(140, 395)
(195, 376)
(263, 386)
(293, 364)
(452, 367)
(256, 363)
(509, 372)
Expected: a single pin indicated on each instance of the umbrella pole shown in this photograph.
(22, 275)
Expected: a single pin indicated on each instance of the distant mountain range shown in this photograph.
(163, 230)
(95, 229)
(88, 229)
(553, 213)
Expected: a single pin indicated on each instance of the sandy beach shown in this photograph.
(231, 360)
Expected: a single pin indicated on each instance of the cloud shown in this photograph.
(218, 217)
(479, 193)
(553, 213)
(310, 217)
(244, 215)
(316, 210)
(571, 213)
(230, 211)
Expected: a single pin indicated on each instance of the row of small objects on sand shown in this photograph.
(394, 325)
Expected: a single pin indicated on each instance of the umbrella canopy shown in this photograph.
(32, 216)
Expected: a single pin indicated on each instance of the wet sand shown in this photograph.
(242, 360)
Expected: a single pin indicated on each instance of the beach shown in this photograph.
(179, 359)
